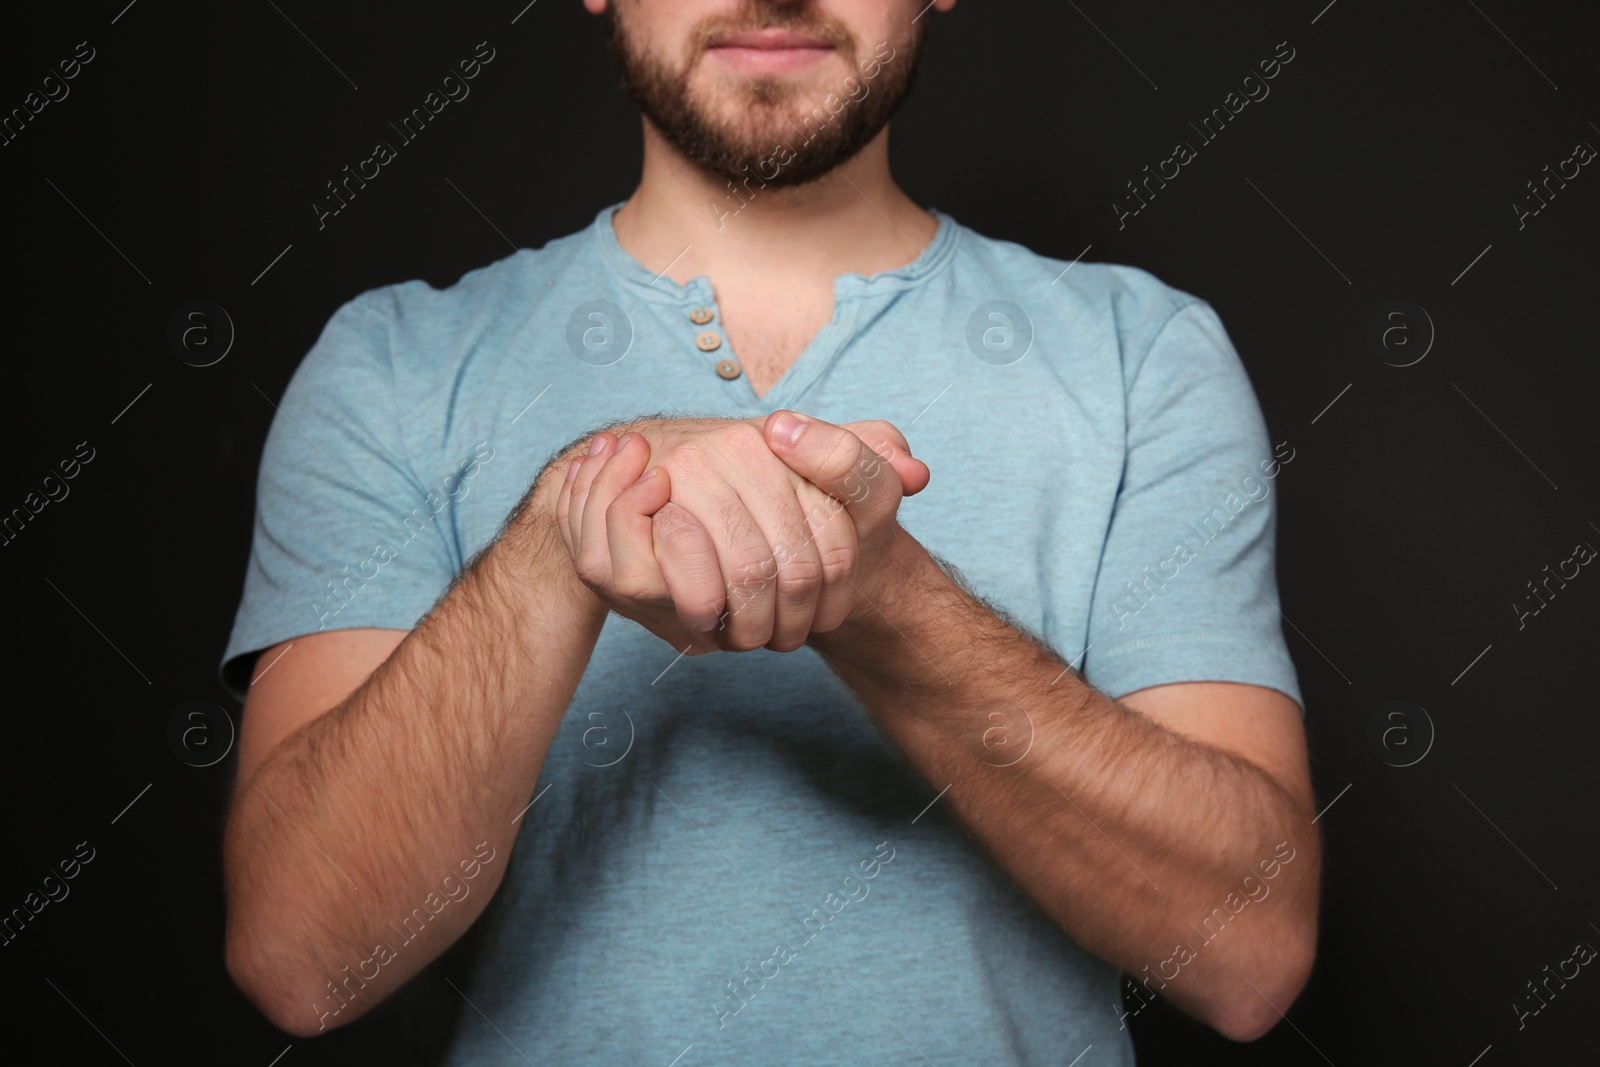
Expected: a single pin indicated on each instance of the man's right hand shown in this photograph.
(752, 554)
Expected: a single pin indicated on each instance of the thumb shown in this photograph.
(836, 461)
(884, 439)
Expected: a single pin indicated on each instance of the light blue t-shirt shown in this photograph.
(724, 853)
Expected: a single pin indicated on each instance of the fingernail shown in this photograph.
(572, 471)
(786, 428)
(596, 446)
(647, 475)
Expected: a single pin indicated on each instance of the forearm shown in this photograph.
(1125, 833)
(356, 819)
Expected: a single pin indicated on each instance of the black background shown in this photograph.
(189, 151)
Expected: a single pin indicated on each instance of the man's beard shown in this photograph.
(770, 113)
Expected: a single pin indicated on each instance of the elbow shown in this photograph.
(279, 983)
(264, 954)
(1244, 1021)
(289, 1000)
(1254, 1007)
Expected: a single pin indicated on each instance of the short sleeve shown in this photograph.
(1187, 587)
(345, 534)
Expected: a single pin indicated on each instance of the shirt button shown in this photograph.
(728, 369)
(709, 341)
(701, 316)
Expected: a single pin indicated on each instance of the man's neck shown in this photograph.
(685, 224)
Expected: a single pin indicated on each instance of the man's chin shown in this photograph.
(813, 81)
(757, 128)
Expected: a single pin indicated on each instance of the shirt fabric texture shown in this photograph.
(706, 861)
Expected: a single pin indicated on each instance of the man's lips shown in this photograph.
(769, 39)
(769, 51)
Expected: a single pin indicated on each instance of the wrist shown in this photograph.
(884, 596)
(531, 560)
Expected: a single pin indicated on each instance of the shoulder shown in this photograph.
(1132, 292)
(417, 312)
(398, 347)
(1124, 304)
(414, 338)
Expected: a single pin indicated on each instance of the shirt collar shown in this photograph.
(661, 289)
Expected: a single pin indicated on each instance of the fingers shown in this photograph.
(834, 535)
(564, 504)
(789, 576)
(741, 551)
(785, 581)
(748, 569)
(839, 463)
(635, 574)
(577, 486)
(612, 465)
(716, 576)
(689, 565)
(605, 514)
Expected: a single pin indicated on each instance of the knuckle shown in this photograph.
(689, 454)
(740, 434)
(672, 517)
(632, 586)
(800, 579)
(748, 585)
(841, 456)
(783, 554)
(837, 561)
(886, 439)
(677, 536)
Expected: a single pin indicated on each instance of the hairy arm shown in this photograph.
(1131, 828)
(347, 819)
(381, 772)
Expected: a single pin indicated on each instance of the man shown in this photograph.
(888, 819)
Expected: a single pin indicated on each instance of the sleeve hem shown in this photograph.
(1192, 658)
(1168, 640)
(244, 649)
